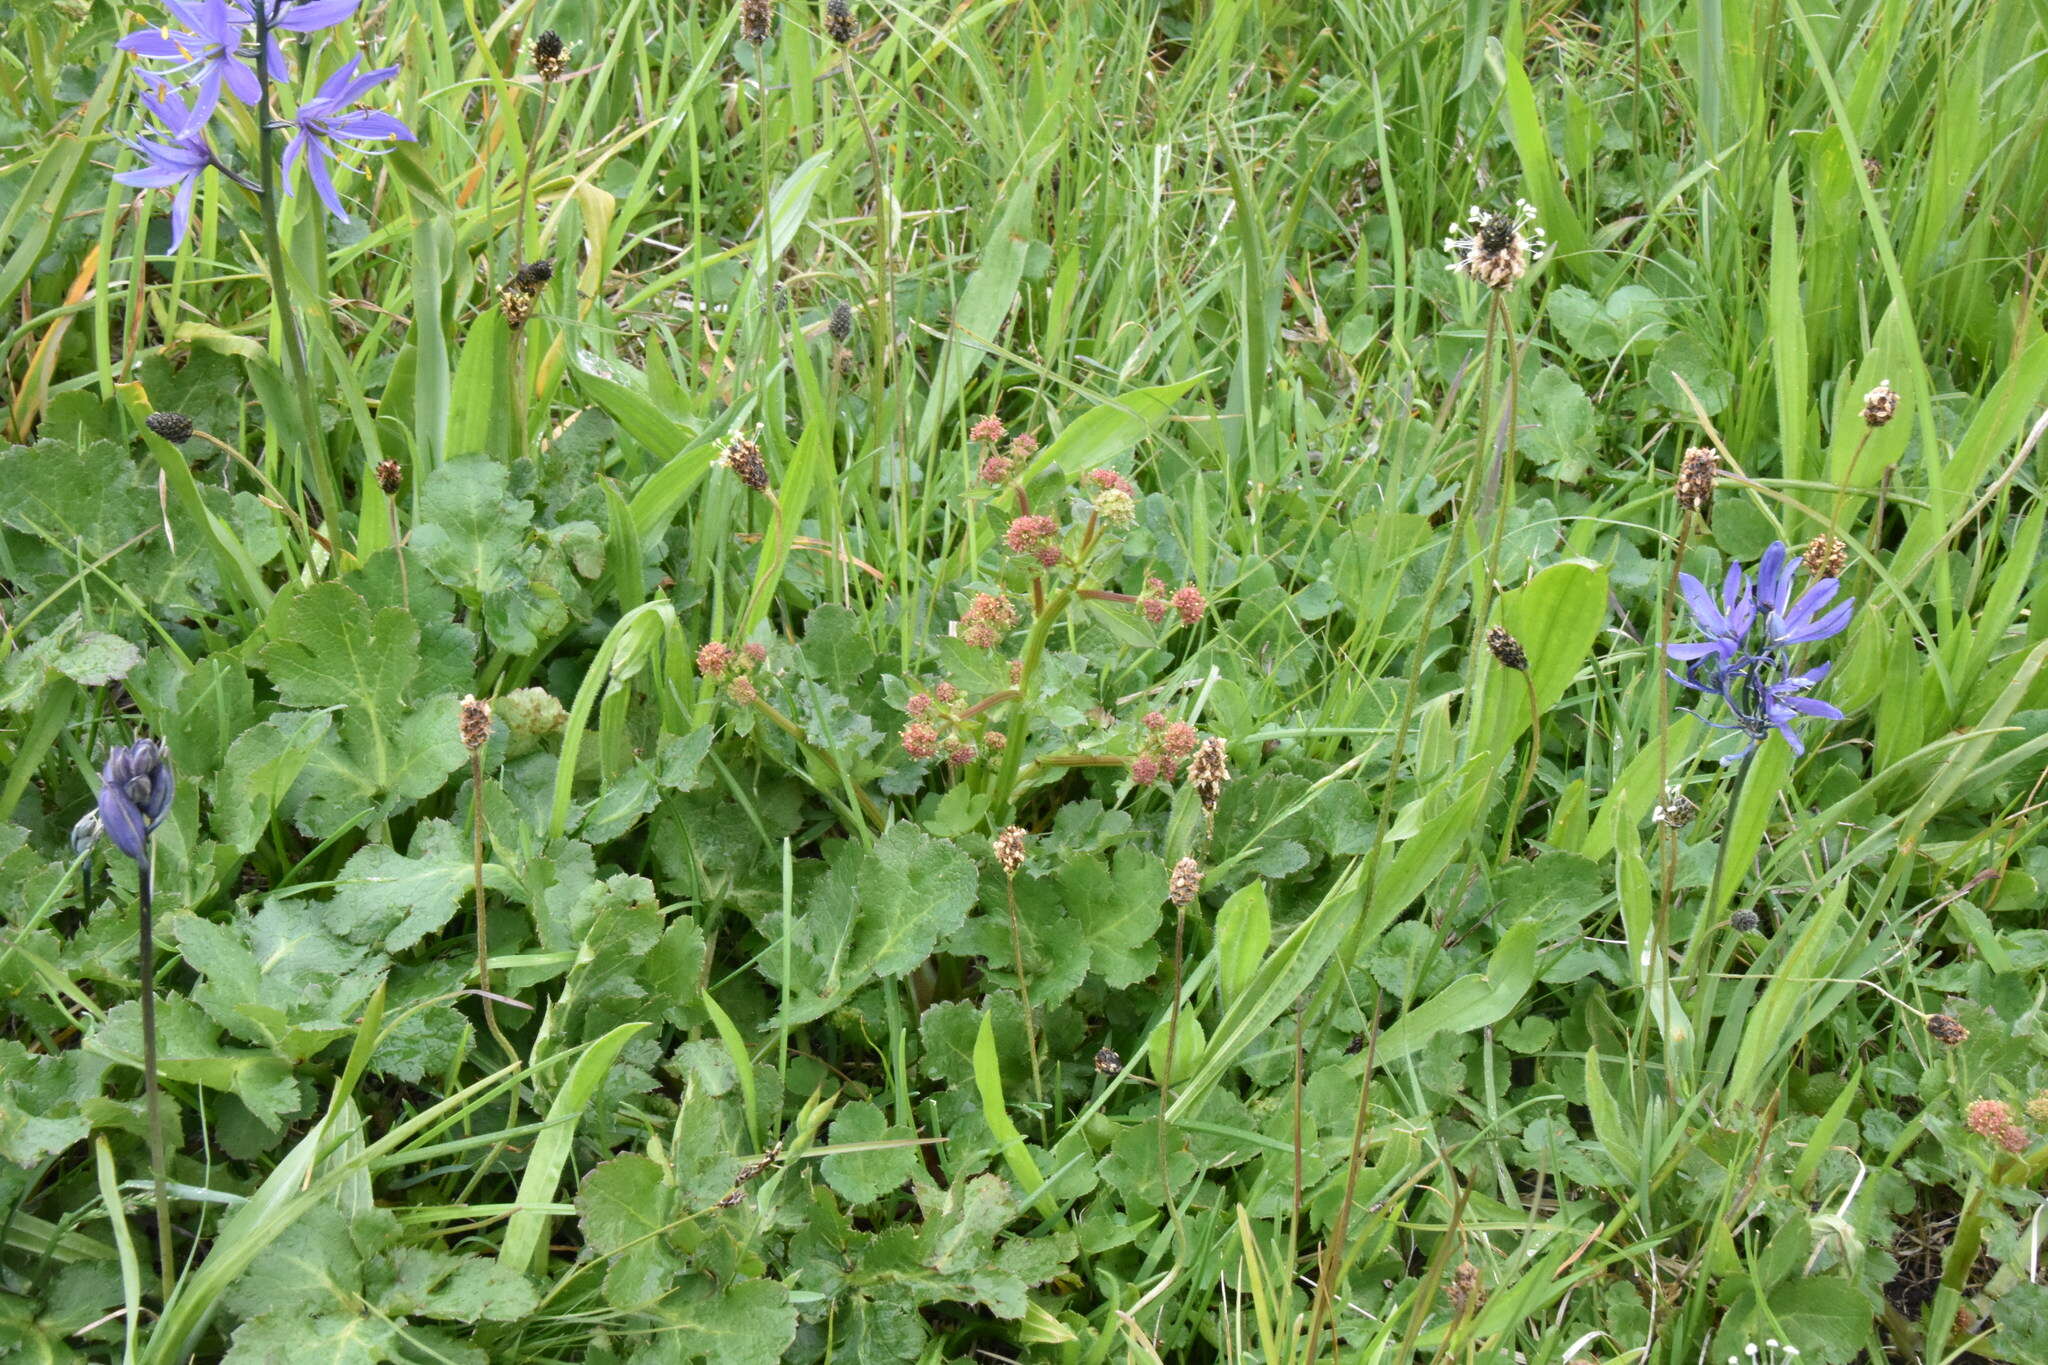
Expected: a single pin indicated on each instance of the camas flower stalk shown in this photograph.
(135, 794)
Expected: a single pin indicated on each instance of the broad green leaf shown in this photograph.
(1110, 430)
(860, 1177)
(1471, 1002)
(1244, 931)
(473, 538)
(626, 1207)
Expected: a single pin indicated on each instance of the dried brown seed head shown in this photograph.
(1881, 404)
(1208, 771)
(743, 458)
(473, 720)
(1009, 847)
(1826, 556)
(1184, 884)
(1947, 1030)
(1696, 474)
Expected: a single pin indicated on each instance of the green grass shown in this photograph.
(1470, 1059)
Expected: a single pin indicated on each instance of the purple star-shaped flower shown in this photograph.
(1725, 624)
(176, 156)
(292, 16)
(207, 47)
(326, 119)
(1750, 634)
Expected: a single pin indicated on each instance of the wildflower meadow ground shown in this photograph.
(870, 682)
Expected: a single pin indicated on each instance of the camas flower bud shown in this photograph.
(135, 791)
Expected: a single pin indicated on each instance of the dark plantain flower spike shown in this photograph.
(757, 20)
(839, 26)
(534, 275)
(174, 427)
(135, 792)
(390, 477)
(1507, 651)
(1881, 404)
(548, 55)
(841, 326)
(1947, 1030)
(1108, 1062)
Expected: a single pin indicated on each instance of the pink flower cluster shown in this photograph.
(721, 663)
(937, 730)
(1037, 536)
(1186, 601)
(988, 618)
(1109, 480)
(1993, 1120)
(1164, 746)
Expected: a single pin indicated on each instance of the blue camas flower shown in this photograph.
(292, 16)
(135, 792)
(326, 119)
(174, 157)
(1745, 659)
(206, 50)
